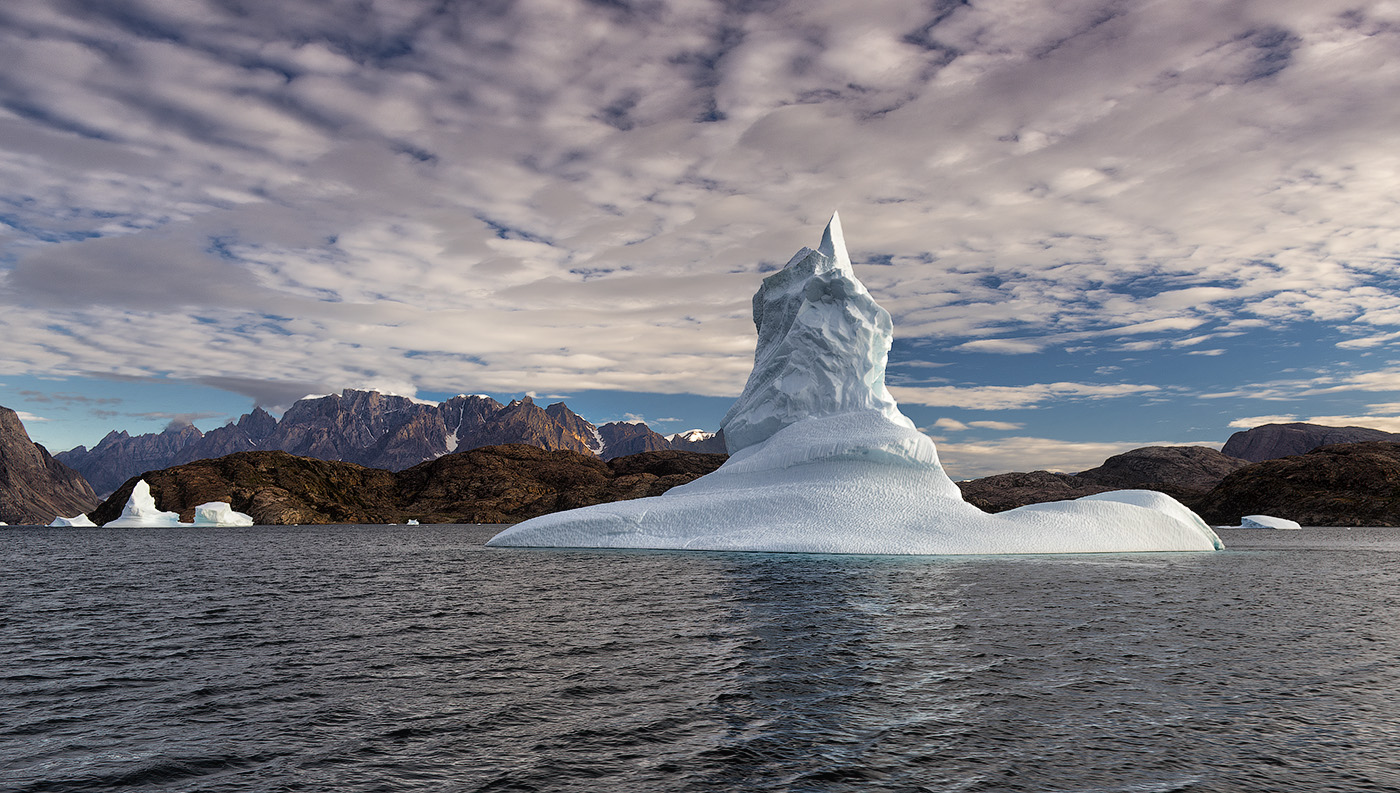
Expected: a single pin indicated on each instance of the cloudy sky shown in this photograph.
(1098, 224)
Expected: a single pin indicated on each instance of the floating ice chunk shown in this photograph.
(412, 522)
(77, 521)
(1266, 522)
(220, 513)
(822, 460)
(140, 510)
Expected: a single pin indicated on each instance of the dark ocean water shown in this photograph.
(369, 658)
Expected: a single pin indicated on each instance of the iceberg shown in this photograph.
(823, 461)
(81, 520)
(140, 510)
(220, 513)
(1265, 522)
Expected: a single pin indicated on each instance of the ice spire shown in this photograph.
(822, 346)
(833, 244)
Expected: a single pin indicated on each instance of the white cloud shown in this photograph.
(1386, 423)
(1012, 397)
(1003, 346)
(1250, 422)
(558, 196)
(1004, 426)
(1368, 342)
(1384, 416)
(29, 417)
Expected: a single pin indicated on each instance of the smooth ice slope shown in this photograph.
(81, 520)
(822, 461)
(140, 510)
(220, 513)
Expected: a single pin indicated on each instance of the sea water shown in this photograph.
(390, 658)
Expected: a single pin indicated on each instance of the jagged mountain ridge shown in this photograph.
(372, 429)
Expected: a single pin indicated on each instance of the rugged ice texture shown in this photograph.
(80, 520)
(220, 513)
(1266, 522)
(822, 461)
(140, 510)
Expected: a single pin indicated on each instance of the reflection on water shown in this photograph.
(389, 658)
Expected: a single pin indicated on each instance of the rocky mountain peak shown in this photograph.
(1271, 441)
(34, 487)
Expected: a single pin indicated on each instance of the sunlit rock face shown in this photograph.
(822, 461)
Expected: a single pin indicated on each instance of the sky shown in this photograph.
(1097, 224)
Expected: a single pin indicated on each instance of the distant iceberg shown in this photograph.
(81, 520)
(220, 513)
(1265, 522)
(823, 461)
(140, 510)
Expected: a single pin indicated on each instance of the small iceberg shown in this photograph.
(220, 513)
(412, 522)
(823, 461)
(81, 520)
(1265, 522)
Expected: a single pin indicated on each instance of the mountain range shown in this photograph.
(1303, 468)
(378, 431)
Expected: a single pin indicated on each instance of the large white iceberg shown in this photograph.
(140, 510)
(823, 461)
(80, 520)
(220, 513)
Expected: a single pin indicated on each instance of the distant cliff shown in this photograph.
(1185, 473)
(495, 484)
(34, 487)
(1271, 441)
(371, 429)
(1349, 484)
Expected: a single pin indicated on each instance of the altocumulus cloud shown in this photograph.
(562, 196)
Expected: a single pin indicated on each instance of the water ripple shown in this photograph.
(397, 659)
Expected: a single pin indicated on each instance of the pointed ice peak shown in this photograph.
(833, 244)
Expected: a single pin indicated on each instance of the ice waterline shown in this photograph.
(823, 461)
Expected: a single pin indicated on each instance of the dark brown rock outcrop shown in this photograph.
(273, 487)
(1352, 484)
(1272, 441)
(1185, 473)
(34, 487)
(1001, 492)
(499, 484)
